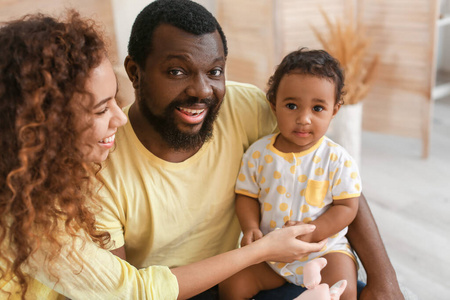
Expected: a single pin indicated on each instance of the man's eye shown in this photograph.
(318, 108)
(175, 72)
(291, 106)
(216, 72)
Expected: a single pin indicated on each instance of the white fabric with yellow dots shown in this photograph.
(300, 187)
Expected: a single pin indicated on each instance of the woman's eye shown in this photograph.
(318, 108)
(103, 111)
(291, 106)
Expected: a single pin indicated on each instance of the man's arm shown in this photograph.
(120, 252)
(366, 240)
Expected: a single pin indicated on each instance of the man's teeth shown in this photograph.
(108, 139)
(191, 111)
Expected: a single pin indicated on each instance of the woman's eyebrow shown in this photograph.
(102, 102)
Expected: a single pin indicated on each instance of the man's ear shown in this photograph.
(132, 70)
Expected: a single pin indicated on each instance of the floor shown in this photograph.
(410, 199)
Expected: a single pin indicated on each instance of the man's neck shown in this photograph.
(153, 141)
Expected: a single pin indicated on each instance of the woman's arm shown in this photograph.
(94, 273)
(365, 239)
(279, 245)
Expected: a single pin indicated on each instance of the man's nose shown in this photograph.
(200, 87)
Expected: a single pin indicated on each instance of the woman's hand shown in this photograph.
(308, 238)
(282, 245)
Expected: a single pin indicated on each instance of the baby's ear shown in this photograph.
(337, 106)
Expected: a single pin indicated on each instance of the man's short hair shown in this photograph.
(183, 14)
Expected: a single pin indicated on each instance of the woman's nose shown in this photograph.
(119, 118)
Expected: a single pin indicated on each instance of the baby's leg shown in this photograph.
(249, 282)
(341, 266)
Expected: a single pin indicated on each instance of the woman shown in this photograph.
(59, 115)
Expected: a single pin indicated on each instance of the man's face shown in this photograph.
(182, 86)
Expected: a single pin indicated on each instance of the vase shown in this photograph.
(345, 129)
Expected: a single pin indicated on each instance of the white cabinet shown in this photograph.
(442, 85)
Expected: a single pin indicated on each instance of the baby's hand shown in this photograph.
(250, 236)
(292, 223)
(305, 238)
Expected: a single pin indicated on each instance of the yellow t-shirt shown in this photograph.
(10, 289)
(102, 276)
(174, 214)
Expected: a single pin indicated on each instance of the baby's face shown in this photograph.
(305, 106)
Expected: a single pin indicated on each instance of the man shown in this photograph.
(169, 186)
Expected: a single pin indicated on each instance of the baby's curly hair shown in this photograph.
(310, 62)
(44, 183)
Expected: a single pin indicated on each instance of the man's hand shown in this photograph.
(250, 236)
(389, 292)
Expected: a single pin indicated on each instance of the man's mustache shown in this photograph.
(195, 100)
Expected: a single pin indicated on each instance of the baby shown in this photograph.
(299, 175)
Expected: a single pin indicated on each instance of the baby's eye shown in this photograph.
(318, 108)
(291, 106)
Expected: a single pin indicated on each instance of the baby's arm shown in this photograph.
(337, 217)
(248, 212)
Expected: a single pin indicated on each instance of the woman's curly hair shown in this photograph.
(44, 184)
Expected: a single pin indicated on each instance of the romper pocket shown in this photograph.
(316, 192)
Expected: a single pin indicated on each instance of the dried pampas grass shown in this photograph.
(348, 43)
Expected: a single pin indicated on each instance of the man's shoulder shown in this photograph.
(245, 99)
(243, 90)
(240, 85)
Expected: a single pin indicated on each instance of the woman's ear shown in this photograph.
(272, 106)
(132, 70)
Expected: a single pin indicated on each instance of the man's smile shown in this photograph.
(190, 115)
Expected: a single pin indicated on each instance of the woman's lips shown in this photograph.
(109, 141)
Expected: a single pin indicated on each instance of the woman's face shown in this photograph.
(106, 115)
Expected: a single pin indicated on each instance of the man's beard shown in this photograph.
(167, 128)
